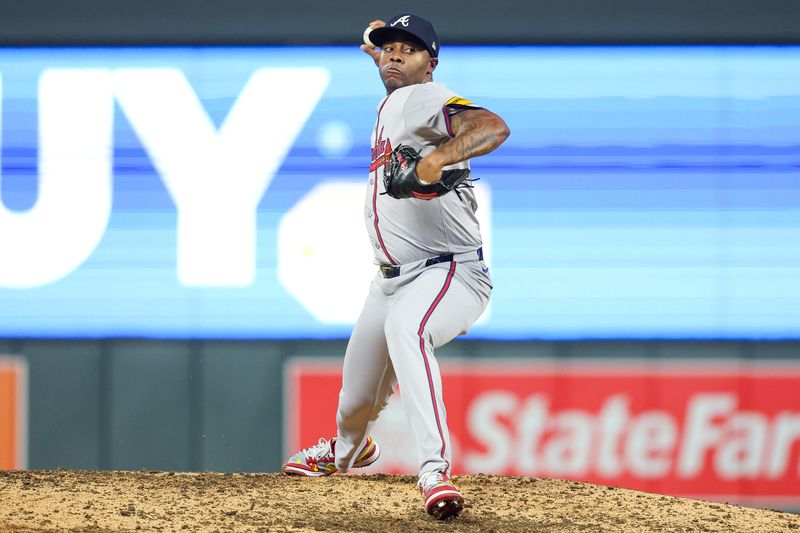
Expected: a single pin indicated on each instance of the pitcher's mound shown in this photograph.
(167, 501)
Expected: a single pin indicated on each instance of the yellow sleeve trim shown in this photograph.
(457, 100)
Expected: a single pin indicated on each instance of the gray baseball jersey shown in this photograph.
(422, 297)
(406, 231)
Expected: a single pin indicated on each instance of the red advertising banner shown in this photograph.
(715, 430)
(13, 413)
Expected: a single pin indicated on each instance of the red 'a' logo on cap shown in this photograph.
(380, 152)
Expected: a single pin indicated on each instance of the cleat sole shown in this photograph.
(294, 471)
(446, 509)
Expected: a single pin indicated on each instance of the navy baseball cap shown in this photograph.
(408, 23)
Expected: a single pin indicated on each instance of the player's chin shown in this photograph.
(393, 80)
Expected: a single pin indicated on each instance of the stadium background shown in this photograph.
(196, 378)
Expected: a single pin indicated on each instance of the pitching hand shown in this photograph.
(374, 53)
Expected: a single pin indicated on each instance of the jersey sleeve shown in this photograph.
(428, 110)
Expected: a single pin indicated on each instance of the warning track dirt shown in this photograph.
(167, 501)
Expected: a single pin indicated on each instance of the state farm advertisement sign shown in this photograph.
(721, 430)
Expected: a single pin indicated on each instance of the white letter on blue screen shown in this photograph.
(55, 236)
(217, 178)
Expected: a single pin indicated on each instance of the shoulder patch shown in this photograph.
(457, 100)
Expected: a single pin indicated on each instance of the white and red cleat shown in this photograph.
(442, 499)
(320, 459)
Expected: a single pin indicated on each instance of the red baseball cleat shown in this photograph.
(320, 459)
(442, 499)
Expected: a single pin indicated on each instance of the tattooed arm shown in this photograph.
(477, 132)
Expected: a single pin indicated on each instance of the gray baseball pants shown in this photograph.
(403, 321)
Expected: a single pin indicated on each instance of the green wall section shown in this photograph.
(218, 405)
(64, 411)
(241, 406)
(150, 409)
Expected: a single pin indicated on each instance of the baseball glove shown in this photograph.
(401, 181)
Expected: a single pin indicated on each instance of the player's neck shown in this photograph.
(390, 90)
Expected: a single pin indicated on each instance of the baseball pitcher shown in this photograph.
(431, 283)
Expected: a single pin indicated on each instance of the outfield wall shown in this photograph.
(708, 419)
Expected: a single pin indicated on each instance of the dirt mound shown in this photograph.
(168, 501)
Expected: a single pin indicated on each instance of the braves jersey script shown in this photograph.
(407, 230)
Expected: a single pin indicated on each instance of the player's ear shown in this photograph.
(432, 62)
